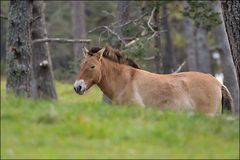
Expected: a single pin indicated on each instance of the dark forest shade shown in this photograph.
(18, 57)
(157, 37)
(169, 60)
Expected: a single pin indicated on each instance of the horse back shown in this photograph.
(181, 91)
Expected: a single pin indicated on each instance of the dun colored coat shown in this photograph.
(124, 82)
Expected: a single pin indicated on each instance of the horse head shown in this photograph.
(90, 71)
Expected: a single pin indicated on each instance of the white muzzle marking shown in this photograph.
(80, 86)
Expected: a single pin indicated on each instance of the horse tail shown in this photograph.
(227, 101)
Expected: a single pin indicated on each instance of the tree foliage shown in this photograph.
(59, 24)
(202, 14)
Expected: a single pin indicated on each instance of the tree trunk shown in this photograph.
(42, 66)
(79, 27)
(168, 57)
(202, 50)
(198, 56)
(190, 44)
(158, 56)
(18, 58)
(122, 16)
(3, 36)
(230, 76)
(231, 15)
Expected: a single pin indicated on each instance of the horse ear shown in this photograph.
(85, 51)
(101, 53)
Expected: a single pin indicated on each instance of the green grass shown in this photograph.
(83, 127)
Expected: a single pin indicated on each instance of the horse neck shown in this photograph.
(114, 77)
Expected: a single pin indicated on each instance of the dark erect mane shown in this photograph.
(114, 55)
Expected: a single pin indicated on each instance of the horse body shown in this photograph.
(186, 91)
(180, 91)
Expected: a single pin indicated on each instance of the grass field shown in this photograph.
(83, 127)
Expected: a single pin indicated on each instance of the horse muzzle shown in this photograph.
(79, 90)
(80, 87)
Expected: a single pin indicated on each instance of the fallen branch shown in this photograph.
(150, 19)
(109, 30)
(114, 33)
(153, 35)
(180, 67)
(61, 40)
(149, 58)
(132, 42)
(115, 25)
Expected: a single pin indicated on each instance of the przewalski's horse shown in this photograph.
(123, 82)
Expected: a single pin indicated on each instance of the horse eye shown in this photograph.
(93, 67)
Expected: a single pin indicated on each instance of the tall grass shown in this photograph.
(83, 127)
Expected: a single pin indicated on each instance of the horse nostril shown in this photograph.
(79, 88)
